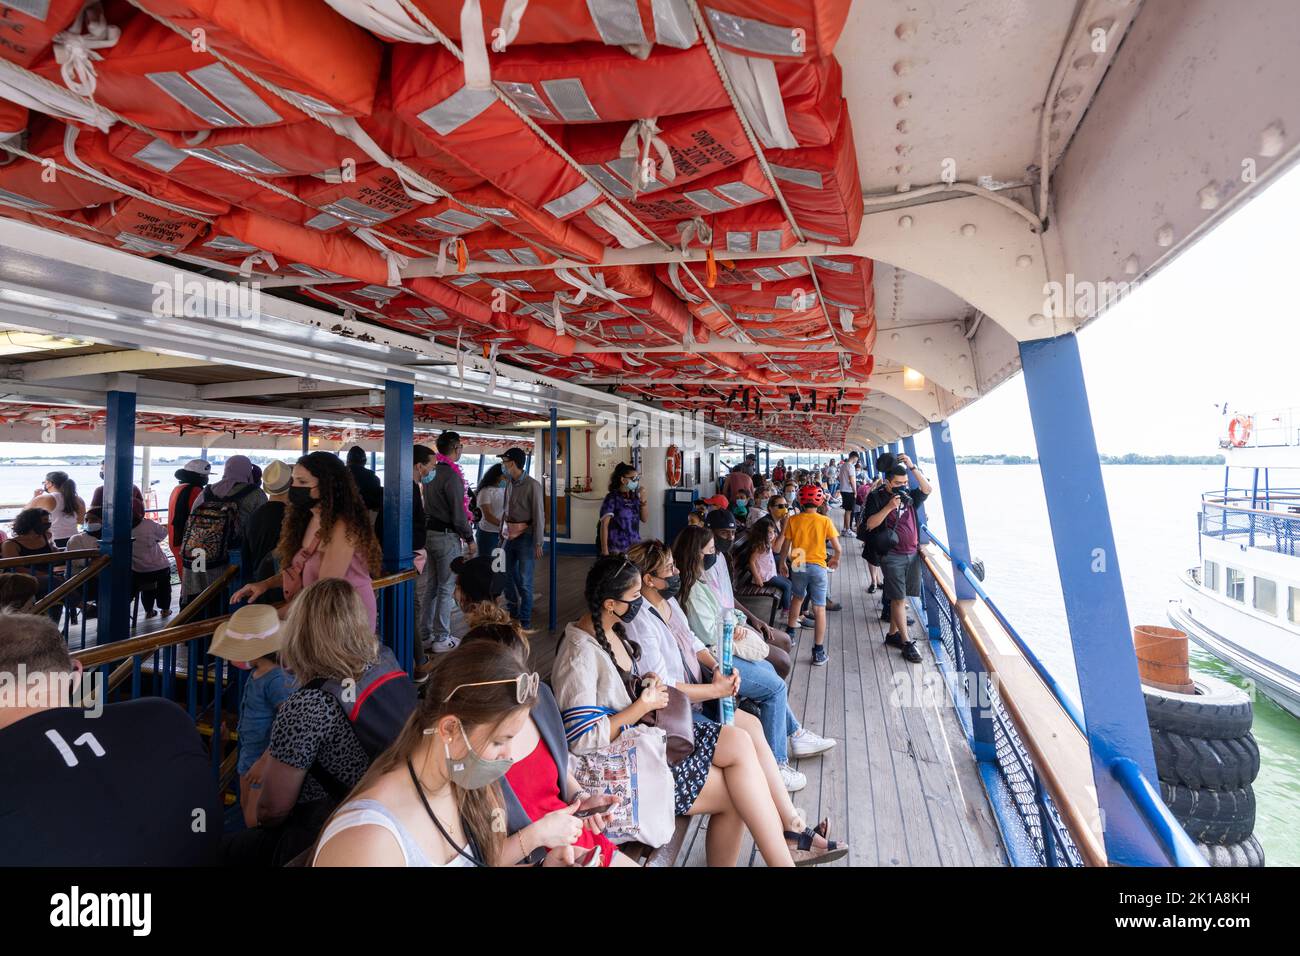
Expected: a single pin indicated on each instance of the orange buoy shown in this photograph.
(1239, 430)
(1162, 658)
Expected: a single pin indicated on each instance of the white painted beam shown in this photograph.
(102, 363)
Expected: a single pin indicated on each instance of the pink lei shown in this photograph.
(442, 459)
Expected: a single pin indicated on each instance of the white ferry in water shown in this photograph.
(1242, 602)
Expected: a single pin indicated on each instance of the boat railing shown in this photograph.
(174, 663)
(1275, 428)
(1029, 734)
(1263, 528)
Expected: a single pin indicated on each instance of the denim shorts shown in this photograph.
(810, 580)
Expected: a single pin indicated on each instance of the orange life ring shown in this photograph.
(1239, 430)
(673, 466)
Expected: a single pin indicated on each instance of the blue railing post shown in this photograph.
(954, 519)
(552, 612)
(1095, 606)
(119, 466)
(398, 611)
(306, 436)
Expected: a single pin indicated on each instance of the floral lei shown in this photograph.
(442, 459)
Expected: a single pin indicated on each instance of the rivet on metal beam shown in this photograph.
(905, 31)
(1131, 266)
(1165, 236)
(1209, 196)
(1036, 319)
(902, 99)
(905, 222)
(1024, 262)
(1272, 139)
(968, 229)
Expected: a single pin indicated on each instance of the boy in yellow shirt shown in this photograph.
(806, 536)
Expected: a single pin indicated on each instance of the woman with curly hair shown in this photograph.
(326, 533)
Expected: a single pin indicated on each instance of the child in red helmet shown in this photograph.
(806, 536)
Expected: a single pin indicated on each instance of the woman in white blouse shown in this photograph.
(671, 650)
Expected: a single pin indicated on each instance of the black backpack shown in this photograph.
(878, 541)
(377, 706)
(213, 528)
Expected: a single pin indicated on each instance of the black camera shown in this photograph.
(902, 495)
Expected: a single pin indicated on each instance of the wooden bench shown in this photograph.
(665, 855)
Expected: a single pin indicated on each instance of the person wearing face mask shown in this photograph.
(522, 532)
(190, 482)
(434, 798)
(319, 750)
(601, 689)
(58, 495)
(670, 648)
(326, 534)
(894, 506)
(30, 536)
(263, 532)
(737, 481)
(695, 555)
(723, 527)
(236, 486)
(450, 533)
(623, 511)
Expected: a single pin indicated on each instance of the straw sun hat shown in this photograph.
(253, 631)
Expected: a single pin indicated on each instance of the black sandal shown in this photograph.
(805, 854)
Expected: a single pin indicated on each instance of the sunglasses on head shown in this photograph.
(525, 687)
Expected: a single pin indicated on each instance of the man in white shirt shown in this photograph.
(848, 490)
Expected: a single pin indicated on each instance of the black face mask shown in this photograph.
(633, 607)
(723, 544)
(672, 586)
(300, 497)
(710, 560)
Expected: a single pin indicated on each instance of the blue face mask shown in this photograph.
(427, 478)
(633, 485)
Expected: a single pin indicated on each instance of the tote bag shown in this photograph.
(633, 768)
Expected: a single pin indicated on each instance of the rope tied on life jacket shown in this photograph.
(557, 314)
(457, 245)
(641, 137)
(75, 49)
(588, 283)
(395, 261)
(260, 257)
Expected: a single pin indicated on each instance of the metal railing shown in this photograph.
(158, 664)
(1264, 528)
(1052, 818)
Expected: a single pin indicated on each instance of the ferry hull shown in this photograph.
(1236, 639)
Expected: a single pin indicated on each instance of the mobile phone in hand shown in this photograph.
(599, 805)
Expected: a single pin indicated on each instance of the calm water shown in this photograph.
(1153, 511)
(20, 483)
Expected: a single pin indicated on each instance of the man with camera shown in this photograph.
(893, 533)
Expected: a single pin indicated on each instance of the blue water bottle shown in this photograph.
(728, 704)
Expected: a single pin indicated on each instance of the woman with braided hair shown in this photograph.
(595, 668)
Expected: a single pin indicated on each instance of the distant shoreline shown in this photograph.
(1129, 459)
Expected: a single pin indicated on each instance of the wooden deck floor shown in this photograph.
(900, 784)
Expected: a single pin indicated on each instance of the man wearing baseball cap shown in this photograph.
(522, 527)
(191, 480)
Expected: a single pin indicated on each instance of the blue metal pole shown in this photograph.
(1095, 607)
(954, 511)
(119, 465)
(399, 492)
(481, 458)
(203, 454)
(306, 435)
(552, 612)
(909, 448)
(374, 461)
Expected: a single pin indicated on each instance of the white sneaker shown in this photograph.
(444, 644)
(793, 779)
(805, 743)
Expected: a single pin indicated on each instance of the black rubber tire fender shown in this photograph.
(1218, 710)
(1205, 764)
(1212, 816)
(1246, 853)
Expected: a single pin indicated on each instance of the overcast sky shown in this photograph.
(1216, 325)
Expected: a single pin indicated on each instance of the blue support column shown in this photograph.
(398, 610)
(552, 612)
(119, 466)
(909, 448)
(1095, 607)
(306, 436)
(481, 458)
(954, 518)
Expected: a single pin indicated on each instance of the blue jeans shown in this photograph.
(486, 541)
(520, 562)
(444, 547)
(784, 586)
(761, 684)
(810, 581)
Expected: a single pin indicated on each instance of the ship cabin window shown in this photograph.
(1266, 596)
(1210, 580)
(1293, 610)
(1236, 589)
